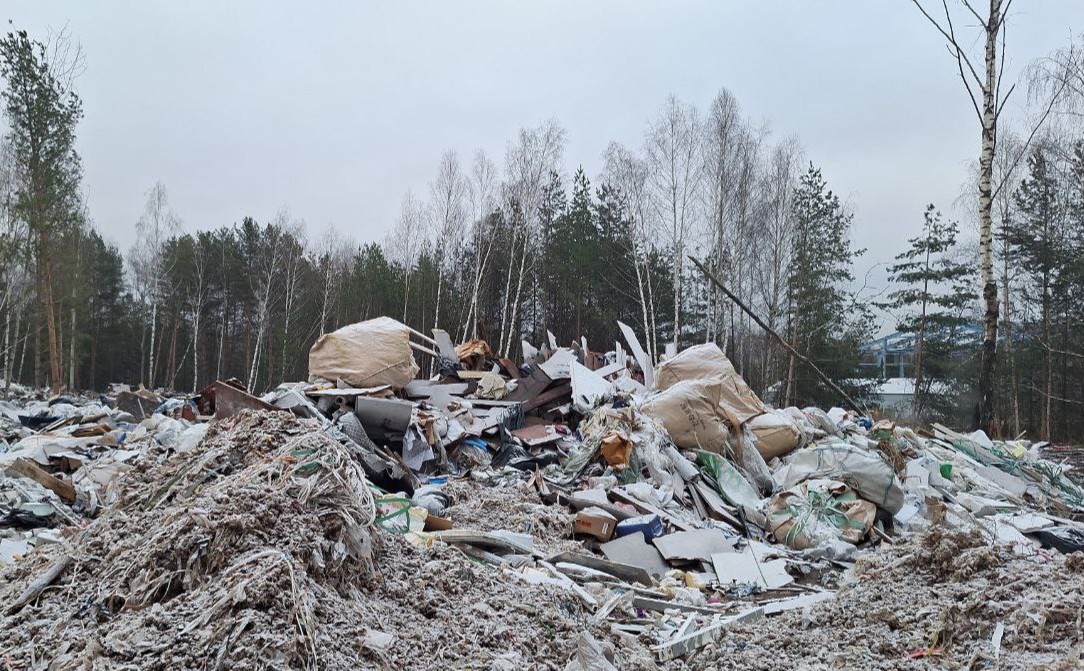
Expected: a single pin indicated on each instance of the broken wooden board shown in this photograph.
(511, 368)
(230, 400)
(483, 539)
(563, 391)
(62, 488)
(533, 436)
(683, 645)
(630, 574)
(529, 387)
(137, 405)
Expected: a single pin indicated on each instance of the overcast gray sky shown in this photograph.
(335, 109)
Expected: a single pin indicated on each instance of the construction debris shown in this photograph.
(553, 514)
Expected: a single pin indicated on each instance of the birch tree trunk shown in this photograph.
(986, 224)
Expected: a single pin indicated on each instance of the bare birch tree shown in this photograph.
(983, 83)
(404, 243)
(722, 137)
(332, 262)
(675, 175)
(262, 279)
(528, 163)
(198, 293)
(483, 194)
(147, 260)
(292, 273)
(776, 188)
(448, 211)
(628, 173)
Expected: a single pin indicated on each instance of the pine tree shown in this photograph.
(1038, 244)
(935, 293)
(42, 112)
(826, 323)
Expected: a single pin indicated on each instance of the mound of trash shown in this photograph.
(256, 550)
(939, 600)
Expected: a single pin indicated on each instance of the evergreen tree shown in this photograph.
(935, 291)
(1039, 247)
(826, 323)
(42, 112)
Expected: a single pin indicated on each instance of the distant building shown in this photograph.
(893, 359)
(894, 355)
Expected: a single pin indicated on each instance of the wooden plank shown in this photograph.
(62, 488)
(548, 397)
(661, 605)
(531, 386)
(513, 369)
(683, 645)
(630, 574)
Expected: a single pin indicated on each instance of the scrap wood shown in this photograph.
(35, 588)
(630, 574)
(661, 605)
(549, 396)
(683, 645)
(513, 370)
(62, 488)
(529, 387)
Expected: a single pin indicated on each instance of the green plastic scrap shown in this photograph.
(732, 485)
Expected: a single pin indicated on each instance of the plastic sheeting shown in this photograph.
(867, 472)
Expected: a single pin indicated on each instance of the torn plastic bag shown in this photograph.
(753, 463)
(1062, 539)
(731, 483)
(589, 656)
(432, 499)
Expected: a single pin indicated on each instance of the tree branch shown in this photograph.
(1031, 136)
(955, 51)
(770, 331)
(972, 10)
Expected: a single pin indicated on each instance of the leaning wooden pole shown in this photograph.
(786, 345)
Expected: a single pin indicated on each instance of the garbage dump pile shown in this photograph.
(577, 510)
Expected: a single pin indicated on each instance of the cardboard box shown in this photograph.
(434, 523)
(595, 522)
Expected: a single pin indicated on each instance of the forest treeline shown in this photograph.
(509, 248)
